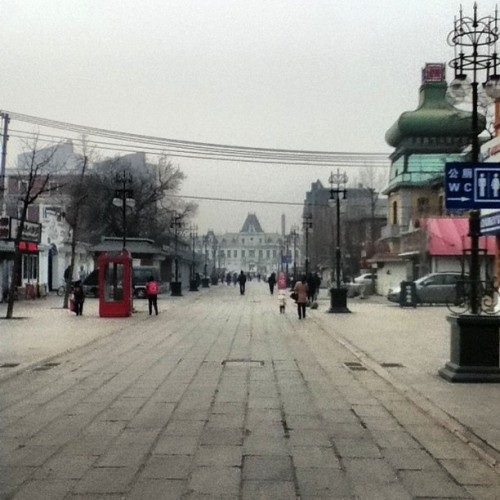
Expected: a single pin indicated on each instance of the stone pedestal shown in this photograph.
(474, 349)
(193, 286)
(338, 300)
(175, 288)
(205, 283)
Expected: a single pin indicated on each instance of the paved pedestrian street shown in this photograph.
(220, 396)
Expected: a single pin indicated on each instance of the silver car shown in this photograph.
(434, 288)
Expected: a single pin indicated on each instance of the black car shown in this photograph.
(140, 276)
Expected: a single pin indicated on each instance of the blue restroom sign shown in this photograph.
(472, 186)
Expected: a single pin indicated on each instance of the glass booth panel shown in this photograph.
(113, 279)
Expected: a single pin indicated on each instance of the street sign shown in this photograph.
(470, 186)
(490, 223)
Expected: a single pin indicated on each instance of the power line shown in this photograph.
(197, 150)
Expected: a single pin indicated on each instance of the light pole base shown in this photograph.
(474, 350)
(175, 289)
(193, 286)
(338, 301)
(205, 283)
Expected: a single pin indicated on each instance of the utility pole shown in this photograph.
(3, 158)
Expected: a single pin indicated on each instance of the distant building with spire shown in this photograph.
(251, 250)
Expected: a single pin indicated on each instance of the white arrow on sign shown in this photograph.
(463, 198)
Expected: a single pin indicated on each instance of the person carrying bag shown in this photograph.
(152, 289)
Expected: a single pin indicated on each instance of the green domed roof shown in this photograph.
(434, 117)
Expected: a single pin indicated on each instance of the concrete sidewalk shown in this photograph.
(233, 400)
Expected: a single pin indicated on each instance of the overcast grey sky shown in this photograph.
(295, 74)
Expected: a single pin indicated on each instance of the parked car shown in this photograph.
(140, 277)
(366, 279)
(434, 288)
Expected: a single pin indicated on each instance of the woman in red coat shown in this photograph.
(301, 290)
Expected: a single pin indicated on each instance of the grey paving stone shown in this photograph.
(296, 422)
(309, 437)
(315, 457)
(176, 445)
(451, 450)
(65, 467)
(371, 471)
(53, 489)
(123, 456)
(270, 468)
(257, 403)
(31, 456)
(223, 437)
(345, 416)
(315, 482)
(167, 467)
(155, 489)
(106, 480)
(472, 472)
(394, 439)
(226, 421)
(378, 491)
(215, 480)
(410, 459)
(221, 456)
(264, 445)
(347, 430)
(431, 484)
(357, 448)
(185, 428)
(484, 492)
(264, 490)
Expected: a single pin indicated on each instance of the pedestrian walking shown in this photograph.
(152, 289)
(301, 290)
(78, 298)
(272, 282)
(242, 279)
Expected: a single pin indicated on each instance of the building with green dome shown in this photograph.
(424, 140)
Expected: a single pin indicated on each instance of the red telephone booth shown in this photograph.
(115, 285)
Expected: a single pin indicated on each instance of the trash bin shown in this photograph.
(408, 294)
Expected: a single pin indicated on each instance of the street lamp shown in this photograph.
(338, 294)
(474, 339)
(294, 234)
(175, 286)
(307, 225)
(193, 284)
(205, 282)
(124, 198)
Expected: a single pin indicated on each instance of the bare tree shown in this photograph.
(152, 190)
(34, 171)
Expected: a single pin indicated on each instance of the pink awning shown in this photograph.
(448, 236)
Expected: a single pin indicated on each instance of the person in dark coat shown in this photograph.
(78, 298)
(272, 282)
(242, 279)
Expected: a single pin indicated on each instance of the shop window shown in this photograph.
(394, 213)
(30, 267)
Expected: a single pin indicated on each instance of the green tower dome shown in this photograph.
(434, 117)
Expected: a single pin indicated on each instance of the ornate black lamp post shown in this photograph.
(193, 283)
(205, 282)
(474, 338)
(294, 234)
(124, 198)
(307, 224)
(338, 294)
(176, 285)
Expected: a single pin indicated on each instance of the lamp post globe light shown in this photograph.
(338, 293)
(176, 285)
(474, 338)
